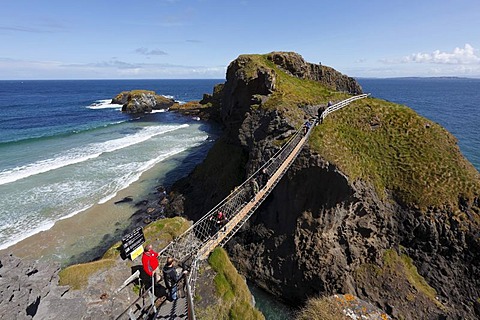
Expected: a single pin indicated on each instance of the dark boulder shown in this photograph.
(141, 101)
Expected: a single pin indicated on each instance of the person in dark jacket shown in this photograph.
(171, 278)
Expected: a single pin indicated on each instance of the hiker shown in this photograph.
(254, 185)
(150, 263)
(172, 278)
(319, 115)
(264, 177)
(220, 219)
(306, 127)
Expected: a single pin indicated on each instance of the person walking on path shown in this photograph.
(150, 263)
(255, 189)
(306, 127)
(172, 278)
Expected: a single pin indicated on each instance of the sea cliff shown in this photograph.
(380, 204)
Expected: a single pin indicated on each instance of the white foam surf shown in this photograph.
(46, 225)
(104, 104)
(81, 154)
(126, 180)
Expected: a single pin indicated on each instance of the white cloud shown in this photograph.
(459, 56)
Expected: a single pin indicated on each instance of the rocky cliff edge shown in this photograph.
(381, 203)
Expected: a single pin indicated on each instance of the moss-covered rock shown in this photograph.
(374, 176)
(230, 299)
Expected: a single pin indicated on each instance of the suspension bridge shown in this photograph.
(196, 243)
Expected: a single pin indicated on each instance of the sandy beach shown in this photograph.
(86, 235)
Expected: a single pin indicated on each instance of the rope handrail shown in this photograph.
(238, 196)
(198, 239)
(342, 104)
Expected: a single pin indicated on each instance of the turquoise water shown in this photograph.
(271, 308)
(64, 147)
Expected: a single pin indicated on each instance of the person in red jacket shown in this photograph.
(150, 263)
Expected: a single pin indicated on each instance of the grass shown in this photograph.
(404, 267)
(397, 150)
(188, 106)
(163, 231)
(291, 93)
(159, 233)
(391, 259)
(235, 300)
(386, 144)
(323, 308)
(76, 276)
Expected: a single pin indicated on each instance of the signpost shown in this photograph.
(132, 243)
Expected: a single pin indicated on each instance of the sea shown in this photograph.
(65, 148)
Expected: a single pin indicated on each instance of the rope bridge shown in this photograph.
(197, 242)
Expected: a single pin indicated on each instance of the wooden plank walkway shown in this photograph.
(173, 310)
(210, 245)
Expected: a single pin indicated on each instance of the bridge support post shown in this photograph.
(152, 295)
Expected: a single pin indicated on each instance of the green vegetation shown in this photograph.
(188, 106)
(385, 144)
(401, 275)
(235, 300)
(321, 309)
(163, 231)
(403, 264)
(291, 93)
(395, 149)
(76, 276)
(159, 233)
(138, 92)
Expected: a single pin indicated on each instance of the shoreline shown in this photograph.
(86, 235)
(69, 238)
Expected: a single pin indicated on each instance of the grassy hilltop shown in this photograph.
(389, 145)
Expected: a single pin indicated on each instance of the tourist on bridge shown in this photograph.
(220, 220)
(306, 127)
(264, 177)
(172, 278)
(255, 188)
(150, 263)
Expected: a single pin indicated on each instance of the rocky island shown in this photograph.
(379, 207)
(141, 101)
(381, 204)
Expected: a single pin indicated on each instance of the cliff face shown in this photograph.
(320, 231)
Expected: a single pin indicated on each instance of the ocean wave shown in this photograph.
(48, 136)
(104, 104)
(159, 110)
(25, 233)
(126, 180)
(81, 154)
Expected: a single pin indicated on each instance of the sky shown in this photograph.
(197, 39)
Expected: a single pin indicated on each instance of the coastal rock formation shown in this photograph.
(294, 64)
(25, 285)
(390, 235)
(141, 101)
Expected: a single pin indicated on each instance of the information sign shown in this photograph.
(132, 241)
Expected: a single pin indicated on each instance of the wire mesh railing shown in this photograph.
(206, 227)
(192, 244)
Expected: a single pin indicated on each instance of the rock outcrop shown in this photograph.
(141, 101)
(294, 64)
(321, 232)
